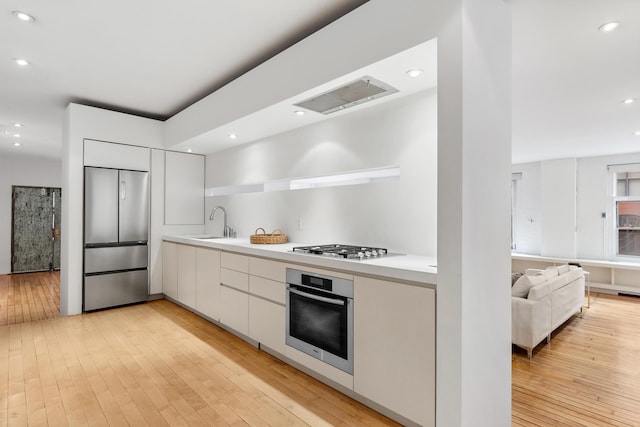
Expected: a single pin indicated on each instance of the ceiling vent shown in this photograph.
(357, 92)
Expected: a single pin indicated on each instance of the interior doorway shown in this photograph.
(35, 229)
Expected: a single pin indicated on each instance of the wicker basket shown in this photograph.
(276, 237)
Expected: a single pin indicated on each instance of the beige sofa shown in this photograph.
(542, 300)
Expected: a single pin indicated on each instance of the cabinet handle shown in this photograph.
(123, 190)
(316, 297)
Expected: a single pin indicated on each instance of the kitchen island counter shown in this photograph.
(399, 267)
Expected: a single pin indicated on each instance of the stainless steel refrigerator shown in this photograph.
(116, 229)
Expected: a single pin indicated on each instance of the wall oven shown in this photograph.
(320, 317)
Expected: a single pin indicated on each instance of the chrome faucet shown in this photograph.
(226, 230)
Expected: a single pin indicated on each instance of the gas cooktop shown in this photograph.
(342, 251)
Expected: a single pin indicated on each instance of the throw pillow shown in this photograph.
(524, 283)
(514, 277)
(563, 269)
(550, 273)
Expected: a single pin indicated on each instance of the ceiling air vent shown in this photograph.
(357, 92)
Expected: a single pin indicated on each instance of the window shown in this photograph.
(626, 210)
(628, 184)
(628, 227)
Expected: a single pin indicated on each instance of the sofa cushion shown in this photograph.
(539, 291)
(563, 268)
(566, 278)
(550, 273)
(524, 283)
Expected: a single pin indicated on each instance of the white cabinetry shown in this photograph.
(184, 189)
(187, 275)
(267, 303)
(208, 282)
(234, 288)
(394, 347)
(115, 156)
(170, 269)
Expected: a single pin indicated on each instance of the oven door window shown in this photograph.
(320, 323)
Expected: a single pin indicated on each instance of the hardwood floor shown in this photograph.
(29, 296)
(590, 373)
(158, 364)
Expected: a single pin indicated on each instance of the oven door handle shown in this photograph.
(316, 297)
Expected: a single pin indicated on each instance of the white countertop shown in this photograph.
(413, 268)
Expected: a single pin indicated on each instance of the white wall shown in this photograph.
(588, 179)
(25, 171)
(558, 208)
(527, 221)
(594, 238)
(398, 215)
(474, 193)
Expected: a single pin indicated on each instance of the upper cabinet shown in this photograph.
(115, 156)
(184, 189)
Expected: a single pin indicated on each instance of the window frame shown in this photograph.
(611, 235)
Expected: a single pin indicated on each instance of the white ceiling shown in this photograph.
(569, 78)
(155, 57)
(148, 57)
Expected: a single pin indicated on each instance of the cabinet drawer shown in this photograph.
(234, 279)
(268, 269)
(235, 262)
(269, 289)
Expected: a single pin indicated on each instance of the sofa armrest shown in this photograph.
(530, 321)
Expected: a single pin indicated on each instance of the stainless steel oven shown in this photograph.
(320, 317)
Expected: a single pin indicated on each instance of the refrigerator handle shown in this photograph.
(123, 190)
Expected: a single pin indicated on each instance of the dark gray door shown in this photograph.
(35, 233)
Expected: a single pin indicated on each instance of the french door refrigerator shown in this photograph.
(116, 223)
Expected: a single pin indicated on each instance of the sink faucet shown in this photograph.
(226, 230)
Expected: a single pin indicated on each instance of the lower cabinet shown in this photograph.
(170, 269)
(187, 275)
(234, 292)
(267, 298)
(267, 323)
(234, 309)
(208, 282)
(394, 347)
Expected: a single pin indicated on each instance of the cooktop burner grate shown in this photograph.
(342, 251)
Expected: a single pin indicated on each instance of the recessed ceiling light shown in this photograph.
(16, 135)
(299, 112)
(629, 101)
(414, 72)
(18, 125)
(23, 16)
(609, 26)
(637, 133)
(21, 62)
(16, 144)
(189, 150)
(233, 136)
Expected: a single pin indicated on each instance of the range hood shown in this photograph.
(357, 92)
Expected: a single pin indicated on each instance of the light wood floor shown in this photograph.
(590, 373)
(29, 296)
(158, 364)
